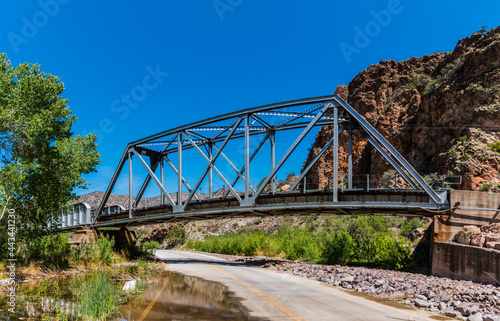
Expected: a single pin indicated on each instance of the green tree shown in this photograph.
(42, 162)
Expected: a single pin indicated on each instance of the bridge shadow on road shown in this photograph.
(243, 261)
(197, 261)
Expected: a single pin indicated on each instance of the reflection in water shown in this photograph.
(176, 297)
(185, 298)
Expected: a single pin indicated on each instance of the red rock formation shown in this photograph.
(440, 111)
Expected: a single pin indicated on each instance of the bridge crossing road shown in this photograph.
(278, 296)
(227, 155)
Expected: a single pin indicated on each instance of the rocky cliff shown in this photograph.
(440, 111)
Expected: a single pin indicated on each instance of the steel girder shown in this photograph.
(271, 120)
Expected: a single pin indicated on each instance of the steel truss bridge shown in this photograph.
(250, 130)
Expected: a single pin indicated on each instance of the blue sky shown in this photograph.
(206, 58)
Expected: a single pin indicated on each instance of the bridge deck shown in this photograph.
(386, 202)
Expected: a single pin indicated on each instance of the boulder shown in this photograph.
(421, 303)
(347, 279)
(491, 228)
(492, 237)
(493, 245)
(465, 235)
(285, 188)
(489, 317)
(441, 297)
(475, 317)
(452, 313)
(467, 308)
(416, 234)
(478, 240)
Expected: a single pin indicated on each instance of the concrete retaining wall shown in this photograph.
(446, 226)
(465, 262)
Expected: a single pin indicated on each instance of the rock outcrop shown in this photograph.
(440, 111)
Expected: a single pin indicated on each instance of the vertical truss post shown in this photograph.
(349, 160)
(210, 173)
(130, 187)
(179, 176)
(247, 156)
(335, 153)
(162, 174)
(273, 160)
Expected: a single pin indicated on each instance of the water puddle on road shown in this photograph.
(179, 297)
(170, 297)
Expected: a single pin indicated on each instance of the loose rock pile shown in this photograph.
(485, 236)
(459, 299)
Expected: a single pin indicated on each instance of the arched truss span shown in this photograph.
(210, 137)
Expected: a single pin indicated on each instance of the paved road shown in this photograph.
(280, 296)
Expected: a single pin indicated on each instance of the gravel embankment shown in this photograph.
(464, 300)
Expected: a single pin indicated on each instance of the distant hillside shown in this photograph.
(94, 199)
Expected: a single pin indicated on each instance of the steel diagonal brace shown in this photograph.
(177, 173)
(211, 165)
(388, 157)
(175, 207)
(251, 158)
(145, 185)
(239, 173)
(316, 158)
(222, 131)
(290, 150)
(112, 184)
(262, 122)
(170, 142)
(438, 199)
(226, 140)
(300, 115)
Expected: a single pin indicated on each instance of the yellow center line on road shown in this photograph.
(287, 311)
(151, 304)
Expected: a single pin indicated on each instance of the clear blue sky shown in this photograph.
(219, 55)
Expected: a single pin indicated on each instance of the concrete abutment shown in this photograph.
(123, 237)
(466, 262)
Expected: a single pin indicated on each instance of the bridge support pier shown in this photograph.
(123, 237)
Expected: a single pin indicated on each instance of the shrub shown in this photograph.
(342, 240)
(301, 245)
(396, 252)
(176, 236)
(409, 225)
(51, 251)
(150, 247)
(495, 147)
(98, 252)
(485, 187)
(104, 250)
(339, 248)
